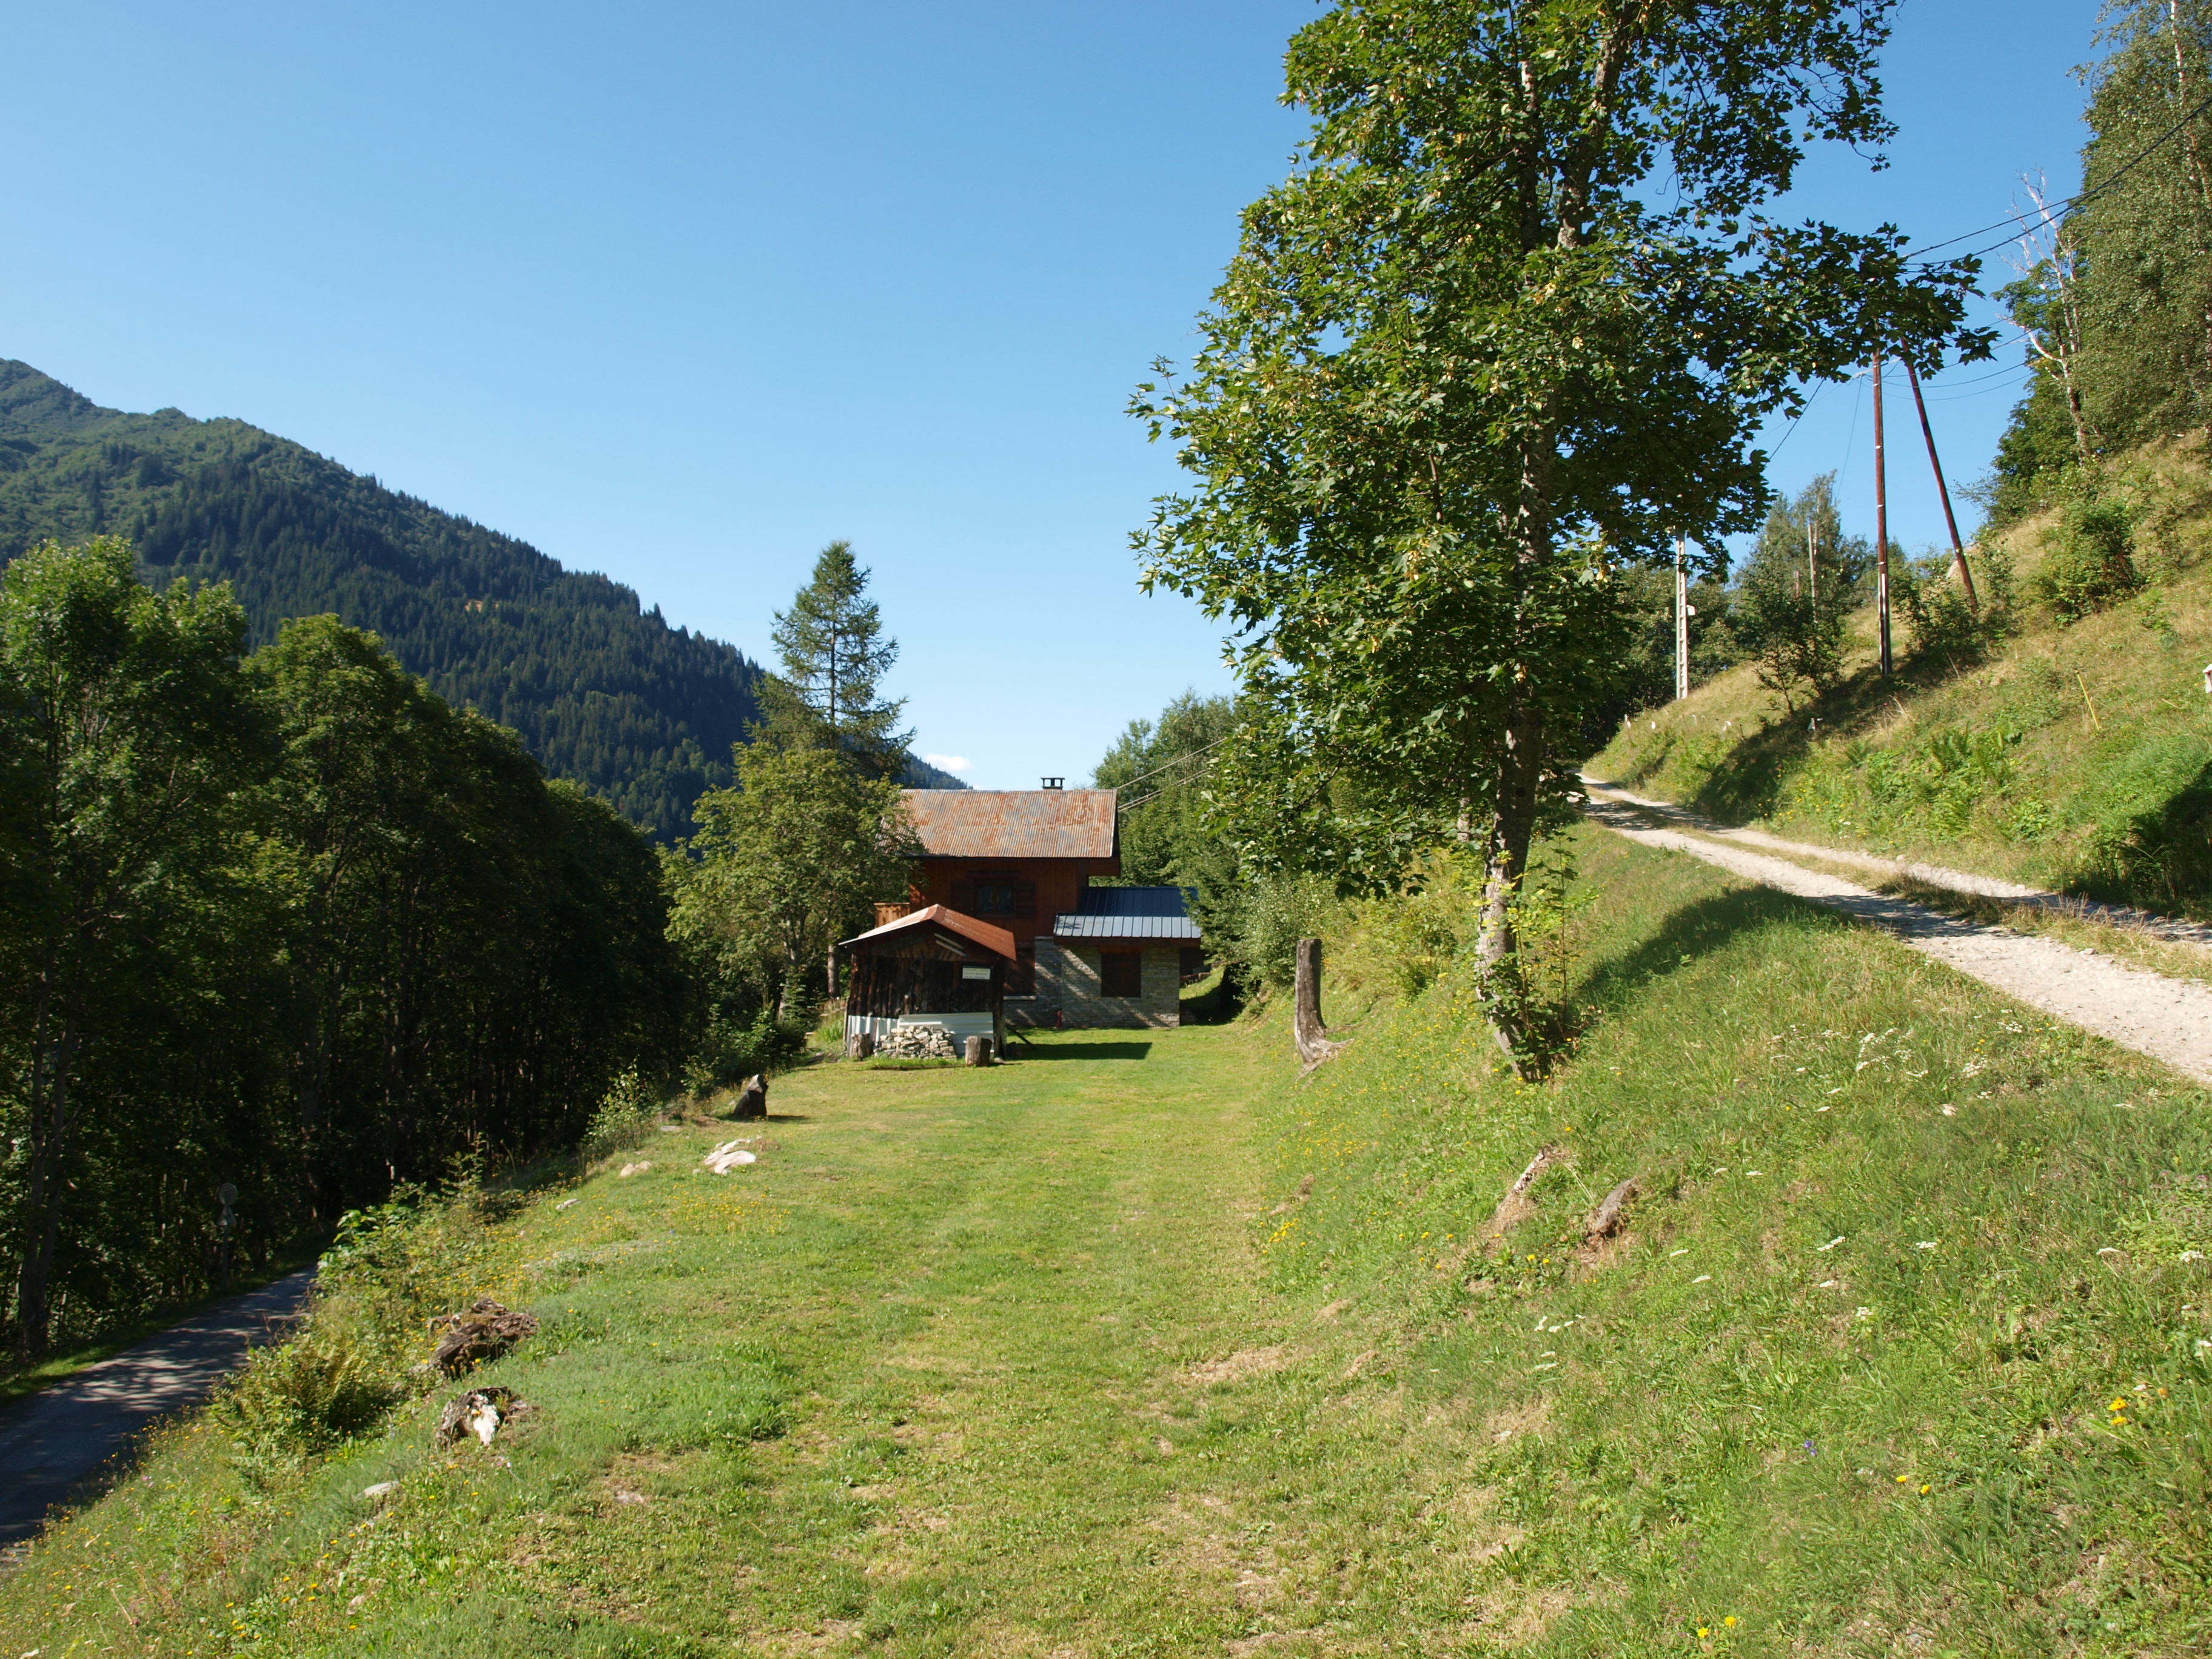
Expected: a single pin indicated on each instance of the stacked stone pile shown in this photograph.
(915, 1042)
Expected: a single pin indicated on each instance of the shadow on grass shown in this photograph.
(1690, 933)
(1088, 1051)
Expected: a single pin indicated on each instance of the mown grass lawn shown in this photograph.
(1143, 1345)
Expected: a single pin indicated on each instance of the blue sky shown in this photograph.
(680, 292)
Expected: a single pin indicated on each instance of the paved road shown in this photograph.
(55, 1440)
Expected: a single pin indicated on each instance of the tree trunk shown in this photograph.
(50, 1126)
(1308, 1033)
(1513, 826)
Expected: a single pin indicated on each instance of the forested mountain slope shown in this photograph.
(601, 690)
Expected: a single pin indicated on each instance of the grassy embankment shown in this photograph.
(2073, 756)
(1145, 1346)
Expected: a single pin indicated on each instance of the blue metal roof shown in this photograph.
(1135, 901)
(1160, 913)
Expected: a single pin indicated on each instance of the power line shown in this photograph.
(2072, 203)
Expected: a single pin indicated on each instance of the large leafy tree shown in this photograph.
(1514, 318)
(125, 732)
(787, 862)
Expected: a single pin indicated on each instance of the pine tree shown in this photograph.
(835, 653)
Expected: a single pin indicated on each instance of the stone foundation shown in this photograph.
(1068, 987)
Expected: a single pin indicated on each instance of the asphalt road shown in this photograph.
(56, 1441)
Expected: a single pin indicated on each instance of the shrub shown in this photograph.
(329, 1383)
(1936, 614)
(625, 1115)
(1269, 919)
(2090, 563)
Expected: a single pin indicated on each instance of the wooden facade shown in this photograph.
(931, 967)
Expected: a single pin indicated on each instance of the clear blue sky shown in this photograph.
(681, 292)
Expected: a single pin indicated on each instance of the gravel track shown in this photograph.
(2167, 1019)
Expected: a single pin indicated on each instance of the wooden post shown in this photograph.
(979, 1051)
(1308, 1033)
(1881, 529)
(1957, 551)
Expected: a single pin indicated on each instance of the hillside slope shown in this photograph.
(602, 690)
(2075, 754)
(1155, 1347)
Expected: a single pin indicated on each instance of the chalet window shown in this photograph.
(1121, 973)
(996, 894)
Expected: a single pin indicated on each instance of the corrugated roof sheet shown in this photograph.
(1161, 913)
(1136, 901)
(1161, 927)
(941, 915)
(1013, 823)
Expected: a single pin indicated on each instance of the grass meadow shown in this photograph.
(1144, 1345)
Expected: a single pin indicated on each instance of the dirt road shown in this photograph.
(2169, 1019)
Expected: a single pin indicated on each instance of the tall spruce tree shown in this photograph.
(834, 654)
(1459, 366)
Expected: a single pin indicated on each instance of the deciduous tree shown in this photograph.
(1514, 318)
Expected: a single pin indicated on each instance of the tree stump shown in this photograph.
(1307, 1031)
(979, 1051)
(864, 1046)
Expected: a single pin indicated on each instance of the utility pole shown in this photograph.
(1812, 566)
(1681, 623)
(1958, 552)
(1881, 527)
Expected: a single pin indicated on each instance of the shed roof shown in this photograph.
(1158, 913)
(1013, 823)
(952, 921)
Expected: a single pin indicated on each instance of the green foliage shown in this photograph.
(834, 652)
(2090, 563)
(1942, 625)
(784, 866)
(1460, 369)
(292, 925)
(626, 1117)
(1261, 925)
(358, 1352)
(2118, 300)
(1796, 591)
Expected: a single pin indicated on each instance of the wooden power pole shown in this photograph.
(1958, 552)
(1880, 528)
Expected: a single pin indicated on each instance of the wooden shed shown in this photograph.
(930, 967)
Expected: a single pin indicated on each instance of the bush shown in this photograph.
(355, 1356)
(329, 1383)
(733, 1052)
(1936, 614)
(2091, 560)
(1269, 919)
(1410, 938)
(627, 1114)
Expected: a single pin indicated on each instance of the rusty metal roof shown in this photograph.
(944, 917)
(1013, 823)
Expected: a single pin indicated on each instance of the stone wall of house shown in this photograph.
(1067, 987)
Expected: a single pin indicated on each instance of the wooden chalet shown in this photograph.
(930, 967)
(1025, 860)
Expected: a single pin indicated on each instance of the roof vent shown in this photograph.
(1055, 783)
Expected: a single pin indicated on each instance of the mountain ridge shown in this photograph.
(603, 689)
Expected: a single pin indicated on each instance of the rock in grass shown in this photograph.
(380, 1491)
(727, 1156)
(478, 1335)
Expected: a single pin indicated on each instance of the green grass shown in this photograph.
(1142, 1345)
(2077, 757)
